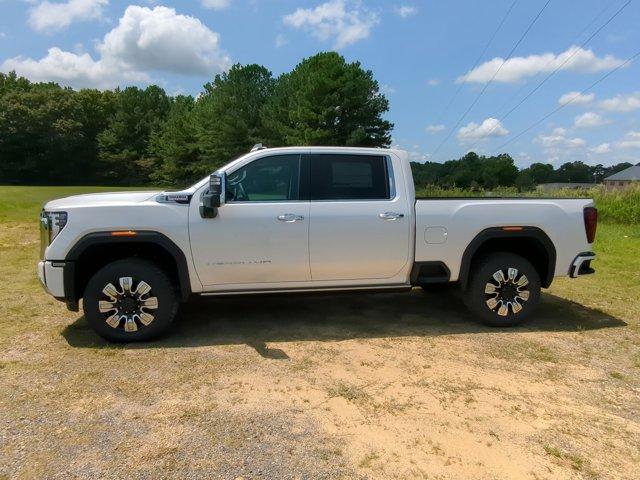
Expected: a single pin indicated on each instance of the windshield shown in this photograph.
(205, 180)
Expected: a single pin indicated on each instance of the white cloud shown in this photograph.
(517, 68)
(490, 127)
(622, 103)
(630, 140)
(160, 39)
(344, 21)
(67, 68)
(49, 16)
(576, 98)
(414, 151)
(216, 4)
(418, 156)
(560, 148)
(406, 11)
(602, 148)
(433, 82)
(557, 141)
(280, 41)
(434, 128)
(523, 159)
(144, 41)
(589, 120)
(387, 90)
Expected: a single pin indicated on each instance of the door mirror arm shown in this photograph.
(213, 198)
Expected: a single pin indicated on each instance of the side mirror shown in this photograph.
(213, 198)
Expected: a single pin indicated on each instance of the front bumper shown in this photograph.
(581, 265)
(51, 275)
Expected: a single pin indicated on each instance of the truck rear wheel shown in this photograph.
(503, 290)
(130, 300)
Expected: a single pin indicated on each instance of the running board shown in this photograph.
(320, 290)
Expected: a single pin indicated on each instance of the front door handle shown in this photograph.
(391, 215)
(290, 218)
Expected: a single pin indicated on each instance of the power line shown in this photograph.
(576, 38)
(557, 69)
(486, 85)
(544, 80)
(475, 64)
(553, 112)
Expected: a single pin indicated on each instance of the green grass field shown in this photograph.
(375, 386)
(19, 204)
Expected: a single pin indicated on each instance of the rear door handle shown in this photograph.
(391, 215)
(290, 218)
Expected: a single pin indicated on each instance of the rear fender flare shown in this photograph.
(500, 233)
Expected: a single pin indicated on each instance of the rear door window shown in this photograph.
(349, 177)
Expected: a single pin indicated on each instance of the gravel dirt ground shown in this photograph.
(336, 386)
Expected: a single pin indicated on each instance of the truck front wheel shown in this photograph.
(503, 289)
(130, 300)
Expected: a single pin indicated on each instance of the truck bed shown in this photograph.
(446, 226)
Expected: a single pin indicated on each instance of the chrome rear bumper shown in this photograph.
(582, 265)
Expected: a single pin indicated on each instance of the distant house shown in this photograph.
(550, 187)
(625, 178)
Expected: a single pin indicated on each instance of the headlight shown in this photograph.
(53, 223)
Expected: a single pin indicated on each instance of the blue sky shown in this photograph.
(421, 52)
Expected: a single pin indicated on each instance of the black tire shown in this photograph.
(507, 293)
(139, 271)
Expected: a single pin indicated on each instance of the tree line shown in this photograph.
(487, 172)
(135, 136)
(50, 135)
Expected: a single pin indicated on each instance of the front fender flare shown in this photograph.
(107, 238)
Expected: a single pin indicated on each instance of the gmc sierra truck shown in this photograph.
(304, 220)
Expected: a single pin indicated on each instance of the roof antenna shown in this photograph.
(258, 146)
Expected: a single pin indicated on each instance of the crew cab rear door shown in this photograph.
(260, 234)
(360, 225)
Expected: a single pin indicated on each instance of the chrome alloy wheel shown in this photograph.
(507, 292)
(127, 307)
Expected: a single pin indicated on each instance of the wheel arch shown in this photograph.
(95, 250)
(531, 243)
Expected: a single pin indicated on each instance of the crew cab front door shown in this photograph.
(260, 234)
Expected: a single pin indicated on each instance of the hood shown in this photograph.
(98, 199)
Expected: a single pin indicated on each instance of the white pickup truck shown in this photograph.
(304, 220)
